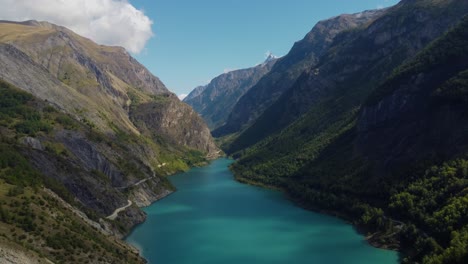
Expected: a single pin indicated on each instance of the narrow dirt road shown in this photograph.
(118, 210)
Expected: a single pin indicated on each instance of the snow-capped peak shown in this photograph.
(270, 56)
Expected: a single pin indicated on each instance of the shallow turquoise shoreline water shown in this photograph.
(214, 219)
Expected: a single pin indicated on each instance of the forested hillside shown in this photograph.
(383, 137)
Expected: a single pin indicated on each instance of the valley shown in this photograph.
(364, 130)
(359, 132)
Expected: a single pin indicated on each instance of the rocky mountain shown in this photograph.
(375, 132)
(92, 82)
(216, 100)
(178, 123)
(97, 130)
(347, 68)
(303, 56)
(195, 92)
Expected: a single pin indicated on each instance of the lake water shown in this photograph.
(212, 219)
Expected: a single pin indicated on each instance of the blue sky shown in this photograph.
(195, 41)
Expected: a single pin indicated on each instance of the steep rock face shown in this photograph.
(92, 82)
(356, 62)
(177, 121)
(419, 114)
(96, 174)
(90, 190)
(216, 100)
(304, 55)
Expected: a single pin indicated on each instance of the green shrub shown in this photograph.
(66, 121)
(31, 127)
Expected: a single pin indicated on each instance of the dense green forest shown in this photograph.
(420, 203)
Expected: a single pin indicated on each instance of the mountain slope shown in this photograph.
(97, 129)
(54, 203)
(282, 76)
(92, 82)
(195, 92)
(383, 140)
(355, 63)
(216, 100)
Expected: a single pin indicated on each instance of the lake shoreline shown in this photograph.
(374, 239)
(161, 221)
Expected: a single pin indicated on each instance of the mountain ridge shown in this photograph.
(302, 56)
(215, 100)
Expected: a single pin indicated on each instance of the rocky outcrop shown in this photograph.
(32, 143)
(10, 254)
(99, 176)
(177, 121)
(90, 190)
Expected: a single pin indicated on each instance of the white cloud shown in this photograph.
(182, 96)
(109, 22)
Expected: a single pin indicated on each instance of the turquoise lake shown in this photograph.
(212, 219)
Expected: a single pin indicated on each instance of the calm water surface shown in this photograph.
(212, 219)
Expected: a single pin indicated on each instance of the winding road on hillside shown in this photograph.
(118, 210)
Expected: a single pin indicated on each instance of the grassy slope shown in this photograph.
(34, 220)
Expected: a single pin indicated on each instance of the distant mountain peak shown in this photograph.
(215, 100)
(269, 57)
